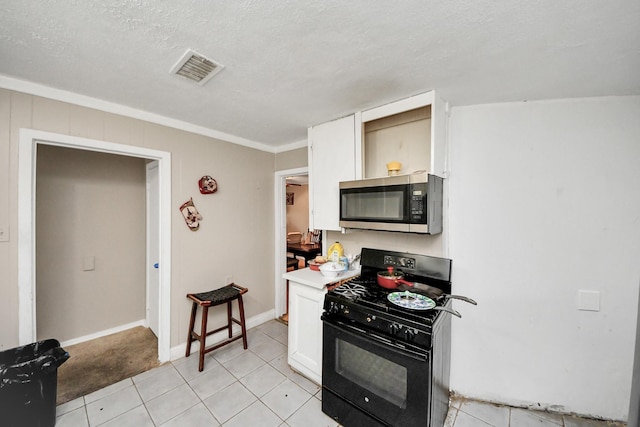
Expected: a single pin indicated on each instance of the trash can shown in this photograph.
(28, 384)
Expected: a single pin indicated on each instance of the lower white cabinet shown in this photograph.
(307, 289)
(305, 330)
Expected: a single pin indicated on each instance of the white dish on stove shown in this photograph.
(411, 300)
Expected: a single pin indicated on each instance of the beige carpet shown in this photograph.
(98, 363)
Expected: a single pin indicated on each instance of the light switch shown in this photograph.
(88, 263)
(588, 300)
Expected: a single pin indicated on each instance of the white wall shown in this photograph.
(545, 201)
(354, 240)
(634, 401)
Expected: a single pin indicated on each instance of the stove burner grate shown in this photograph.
(365, 295)
(351, 290)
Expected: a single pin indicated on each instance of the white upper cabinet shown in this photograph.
(411, 131)
(332, 158)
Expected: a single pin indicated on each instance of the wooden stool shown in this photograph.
(226, 294)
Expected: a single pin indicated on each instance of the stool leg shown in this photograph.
(203, 337)
(242, 324)
(229, 323)
(192, 322)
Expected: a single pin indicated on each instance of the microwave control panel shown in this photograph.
(418, 203)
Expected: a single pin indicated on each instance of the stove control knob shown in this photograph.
(394, 328)
(345, 310)
(370, 318)
(333, 308)
(410, 334)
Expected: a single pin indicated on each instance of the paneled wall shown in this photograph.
(241, 212)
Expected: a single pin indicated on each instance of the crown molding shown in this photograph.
(37, 89)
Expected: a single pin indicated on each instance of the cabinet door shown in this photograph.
(305, 330)
(332, 158)
(439, 136)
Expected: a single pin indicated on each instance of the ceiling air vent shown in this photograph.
(196, 67)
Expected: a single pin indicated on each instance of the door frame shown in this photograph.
(152, 247)
(280, 186)
(27, 155)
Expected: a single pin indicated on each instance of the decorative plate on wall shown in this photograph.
(207, 185)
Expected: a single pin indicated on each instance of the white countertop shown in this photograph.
(315, 279)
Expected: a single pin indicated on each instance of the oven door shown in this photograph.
(366, 375)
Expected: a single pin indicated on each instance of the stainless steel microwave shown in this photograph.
(407, 203)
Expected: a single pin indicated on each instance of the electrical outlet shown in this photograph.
(228, 279)
(88, 263)
(4, 234)
(588, 300)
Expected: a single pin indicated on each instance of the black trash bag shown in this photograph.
(28, 384)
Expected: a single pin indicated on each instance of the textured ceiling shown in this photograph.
(293, 64)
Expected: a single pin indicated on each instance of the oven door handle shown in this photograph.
(405, 349)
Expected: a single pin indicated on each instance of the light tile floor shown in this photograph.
(254, 388)
(472, 413)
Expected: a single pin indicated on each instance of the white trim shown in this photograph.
(104, 333)
(29, 139)
(111, 107)
(359, 150)
(281, 233)
(179, 351)
(446, 230)
(26, 240)
(152, 245)
(400, 106)
(293, 146)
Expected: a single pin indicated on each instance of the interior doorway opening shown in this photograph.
(29, 141)
(297, 213)
(280, 192)
(90, 243)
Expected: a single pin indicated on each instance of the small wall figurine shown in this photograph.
(207, 185)
(191, 215)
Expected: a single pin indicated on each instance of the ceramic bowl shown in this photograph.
(331, 269)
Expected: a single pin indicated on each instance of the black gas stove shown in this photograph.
(385, 365)
(362, 301)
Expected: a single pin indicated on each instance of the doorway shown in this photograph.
(297, 212)
(280, 192)
(29, 141)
